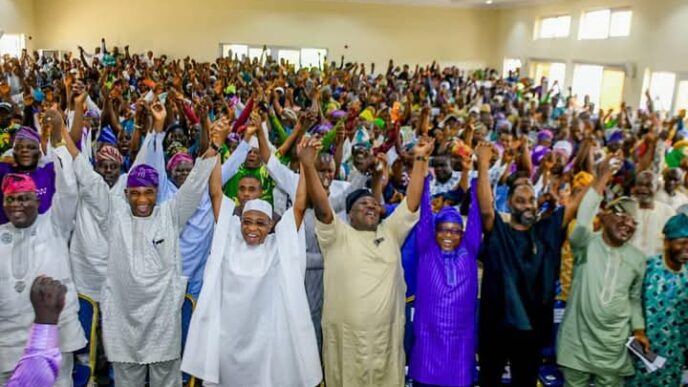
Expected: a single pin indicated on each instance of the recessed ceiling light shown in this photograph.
(488, 2)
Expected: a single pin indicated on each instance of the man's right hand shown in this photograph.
(48, 299)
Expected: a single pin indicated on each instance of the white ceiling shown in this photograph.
(452, 3)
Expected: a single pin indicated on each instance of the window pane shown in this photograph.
(612, 89)
(620, 24)
(312, 57)
(682, 97)
(240, 50)
(293, 57)
(587, 81)
(12, 44)
(662, 90)
(511, 65)
(547, 27)
(557, 73)
(563, 26)
(255, 52)
(594, 25)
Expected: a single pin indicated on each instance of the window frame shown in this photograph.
(539, 23)
(607, 33)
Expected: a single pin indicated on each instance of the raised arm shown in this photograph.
(316, 192)
(300, 202)
(425, 231)
(486, 201)
(78, 121)
(414, 192)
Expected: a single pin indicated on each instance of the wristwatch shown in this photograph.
(421, 158)
(215, 147)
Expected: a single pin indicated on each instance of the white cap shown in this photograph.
(258, 205)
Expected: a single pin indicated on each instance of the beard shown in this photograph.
(526, 218)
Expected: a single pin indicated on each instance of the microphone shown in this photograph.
(378, 241)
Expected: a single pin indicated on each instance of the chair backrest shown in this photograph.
(187, 310)
(88, 317)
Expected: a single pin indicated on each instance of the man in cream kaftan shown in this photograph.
(252, 327)
(39, 249)
(144, 287)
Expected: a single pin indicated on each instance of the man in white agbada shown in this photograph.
(252, 325)
(651, 216)
(33, 245)
(144, 287)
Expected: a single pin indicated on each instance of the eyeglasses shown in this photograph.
(453, 231)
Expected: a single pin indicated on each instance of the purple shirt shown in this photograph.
(43, 176)
(446, 299)
(40, 363)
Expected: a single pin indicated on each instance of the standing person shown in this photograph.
(144, 287)
(252, 326)
(670, 193)
(443, 353)
(652, 215)
(28, 159)
(40, 363)
(665, 302)
(33, 244)
(363, 308)
(521, 261)
(604, 307)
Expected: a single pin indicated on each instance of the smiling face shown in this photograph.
(255, 227)
(26, 153)
(523, 205)
(325, 166)
(21, 208)
(252, 159)
(643, 190)
(142, 200)
(617, 228)
(448, 236)
(365, 214)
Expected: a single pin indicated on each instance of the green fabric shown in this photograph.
(6, 135)
(576, 378)
(676, 227)
(673, 159)
(666, 315)
(232, 187)
(281, 135)
(605, 302)
(329, 139)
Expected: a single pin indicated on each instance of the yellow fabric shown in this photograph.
(364, 300)
(566, 273)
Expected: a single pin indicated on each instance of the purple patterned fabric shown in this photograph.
(26, 133)
(40, 364)
(43, 176)
(446, 301)
(142, 175)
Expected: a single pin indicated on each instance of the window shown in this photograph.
(605, 23)
(602, 85)
(312, 57)
(511, 65)
(298, 57)
(620, 23)
(661, 86)
(682, 96)
(290, 56)
(11, 44)
(553, 27)
(554, 72)
(238, 50)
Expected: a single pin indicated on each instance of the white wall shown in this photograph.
(16, 17)
(658, 38)
(184, 27)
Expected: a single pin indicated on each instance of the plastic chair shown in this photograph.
(187, 310)
(88, 316)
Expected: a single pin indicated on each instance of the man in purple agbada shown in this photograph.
(27, 160)
(446, 295)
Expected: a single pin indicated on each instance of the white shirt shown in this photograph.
(648, 236)
(40, 249)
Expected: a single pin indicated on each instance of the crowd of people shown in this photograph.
(335, 224)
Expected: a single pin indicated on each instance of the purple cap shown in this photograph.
(142, 175)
